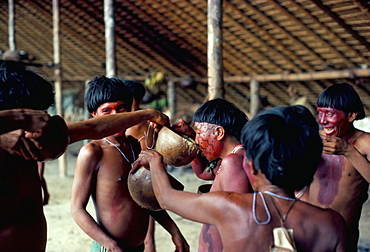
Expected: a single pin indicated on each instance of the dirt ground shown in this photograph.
(65, 235)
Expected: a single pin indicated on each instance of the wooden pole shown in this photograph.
(171, 96)
(109, 38)
(255, 98)
(215, 68)
(58, 79)
(11, 26)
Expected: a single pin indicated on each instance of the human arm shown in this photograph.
(41, 166)
(18, 130)
(102, 126)
(203, 208)
(167, 223)
(357, 152)
(85, 172)
(27, 119)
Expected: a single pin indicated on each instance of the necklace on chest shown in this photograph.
(120, 151)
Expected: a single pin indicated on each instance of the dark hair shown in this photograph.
(284, 143)
(223, 113)
(23, 88)
(103, 89)
(344, 97)
(136, 88)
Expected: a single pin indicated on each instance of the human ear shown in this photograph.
(93, 114)
(352, 116)
(220, 132)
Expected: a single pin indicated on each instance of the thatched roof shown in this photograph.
(264, 38)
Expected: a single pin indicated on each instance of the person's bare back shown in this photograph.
(309, 223)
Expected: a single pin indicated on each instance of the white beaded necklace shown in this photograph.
(123, 154)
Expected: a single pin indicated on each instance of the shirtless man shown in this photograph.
(283, 149)
(22, 223)
(342, 178)
(218, 125)
(102, 169)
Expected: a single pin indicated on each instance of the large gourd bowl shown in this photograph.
(177, 149)
(141, 189)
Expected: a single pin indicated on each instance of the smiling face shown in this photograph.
(335, 122)
(207, 140)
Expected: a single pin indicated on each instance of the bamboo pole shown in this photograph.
(11, 26)
(109, 38)
(62, 160)
(171, 96)
(214, 52)
(255, 100)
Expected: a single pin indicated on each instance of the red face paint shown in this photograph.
(206, 139)
(334, 122)
(110, 108)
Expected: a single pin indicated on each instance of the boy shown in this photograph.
(102, 169)
(283, 149)
(22, 223)
(218, 125)
(342, 178)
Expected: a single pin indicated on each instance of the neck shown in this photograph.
(229, 147)
(120, 138)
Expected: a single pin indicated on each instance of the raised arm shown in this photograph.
(203, 208)
(102, 126)
(26, 119)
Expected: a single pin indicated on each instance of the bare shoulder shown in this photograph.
(362, 141)
(233, 159)
(327, 218)
(91, 151)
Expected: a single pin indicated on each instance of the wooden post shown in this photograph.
(171, 96)
(109, 38)
(58, 79)
(215, 68)
(255, 98)
(11, 26)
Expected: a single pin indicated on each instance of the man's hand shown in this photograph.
(159, 119)
(35, 121)
(182, 127)
(334, 145)
(145, 158)
(15, 142)
(180, 243)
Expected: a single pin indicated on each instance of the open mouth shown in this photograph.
(329, 131)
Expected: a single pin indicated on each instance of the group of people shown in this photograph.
(279, 183)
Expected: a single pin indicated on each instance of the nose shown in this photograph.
(196, 140)
(321, 119)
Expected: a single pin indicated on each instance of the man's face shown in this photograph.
(335, 122)
(110, 108)
(206, 139)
